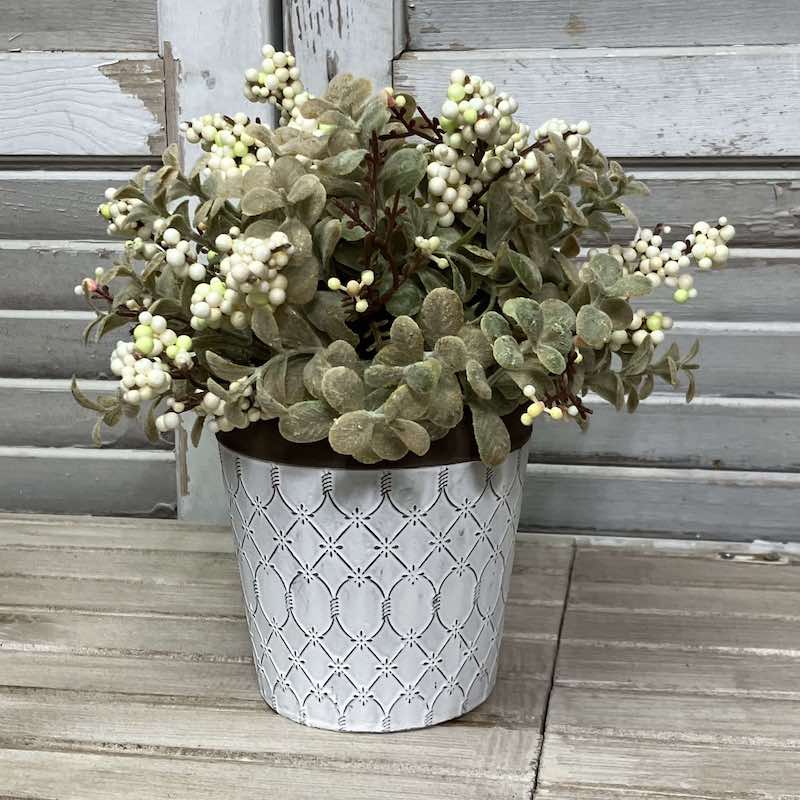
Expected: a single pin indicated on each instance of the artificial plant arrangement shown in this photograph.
(367, 271)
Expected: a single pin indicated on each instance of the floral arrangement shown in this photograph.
(367, 272)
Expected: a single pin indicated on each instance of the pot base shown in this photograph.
(374, 598)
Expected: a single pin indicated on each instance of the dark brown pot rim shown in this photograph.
(263, 442)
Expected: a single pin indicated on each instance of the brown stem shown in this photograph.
(432, 133)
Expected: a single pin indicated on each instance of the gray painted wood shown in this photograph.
(35, 344)
(42, 413)
(677, 676)
(329, 38)
(145, 651)
(86, 481)
(113, 103)
(40, 204)
(710, 432)
(101, 776)
(598, 84)
(763, 204)
(470, 24)
(673, 502)
(43, 25)
(42, 274)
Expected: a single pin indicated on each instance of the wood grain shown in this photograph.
(466, 24)
(113, 104)
(50, 479)
(83, 25)
(47, 204)
(692, 503)
(710, 432)
(597, 84)
(627, 768)
(43, 274)
(40, 774)
(43, 413)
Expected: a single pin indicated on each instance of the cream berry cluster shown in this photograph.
(178, 251)
(537, 408)
(140, 378)
(571, 133)
(232, 149)
(216, 409)
(252, 266)
(153, 337)
(354, 288)
(277, 82)
(212, 301)
(115, 212)
(647, 255)
(643, 326)
(481, 138)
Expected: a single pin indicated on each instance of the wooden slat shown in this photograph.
(716, 432)
(48, 204)
(660, 501)
(597, 84)
(111, 104)
(112, 533)
(43, 274)
(673, 718)
(43, 413)
(57, 719)
(580, 768)
(671, 632)
(135, 482)
(35, 774)
(466, 24)
(763, 204)
(49, 344)
(712, 673)
(41, 25)
(671, 569)
(757, 285)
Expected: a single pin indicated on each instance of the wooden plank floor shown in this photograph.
(125, 673)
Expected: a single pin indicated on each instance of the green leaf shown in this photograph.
(452, 351)
(197, 431)
(476, 377)
(618, 310)
(604, 270)
(81, 398)
(261, 200)
(478, 345)
(386, 444)
(326, 236)
(446, 402)
(527, 314)
(406, 301)
(491, 435)
(351, 432)
(507, 353)
(343, 389)
(493, 325)
(551, 359)
(593, 326)
(403, 171)
(639, 360)
(442, 315)
(500, 215)
(327, 314)
(423, 376)
(524, 268)
(342, 163)
(265, 327)
(307, 421)
(295, 330)
(225, 369)
(412, 434)
(378, 375)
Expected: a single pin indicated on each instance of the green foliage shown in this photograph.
(444, 317)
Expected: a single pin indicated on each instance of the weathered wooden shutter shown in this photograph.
(83, 104)
(701, 103)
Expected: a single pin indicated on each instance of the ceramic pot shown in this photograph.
(374, 596)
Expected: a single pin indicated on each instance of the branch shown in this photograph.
(431, 133)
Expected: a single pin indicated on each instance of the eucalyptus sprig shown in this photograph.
(371, 274)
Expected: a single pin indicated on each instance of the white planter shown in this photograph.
(374, 597)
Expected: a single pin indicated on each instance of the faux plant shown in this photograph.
(367, 271)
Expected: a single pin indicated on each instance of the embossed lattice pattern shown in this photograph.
(375, 598)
